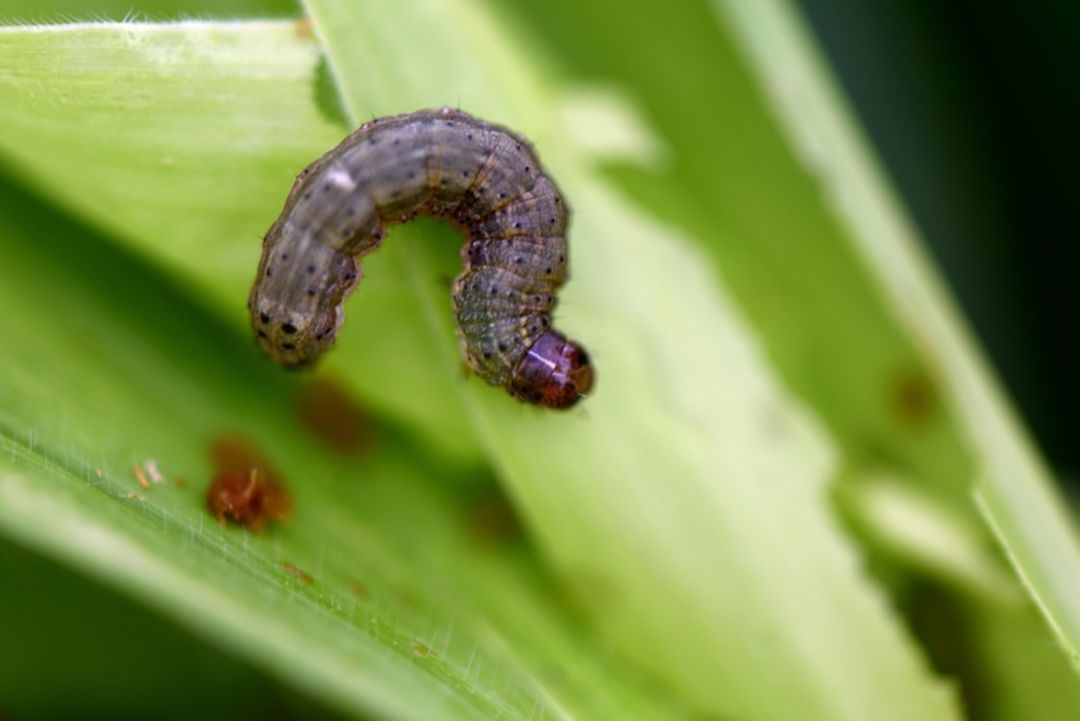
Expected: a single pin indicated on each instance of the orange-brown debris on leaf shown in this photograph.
(292, 570)
(491, 519)
(329, 413)
(140, 476)
(911, 397)
(422, 649)
(245, 489)
(303, 28)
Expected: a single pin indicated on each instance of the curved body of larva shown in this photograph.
(446, 164)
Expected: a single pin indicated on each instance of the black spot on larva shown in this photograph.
(284, 256)
(307, 195)
(548, 270)
(311, 292)
(264, 317)
(464, 173)
(326, 187)
(502, 195)
(288, 346)
(262, 333)
(519, 260)
(562, 258)
(411, 175)
(487, 354)
(350, 277)
(311, 269)
(269, 273)
(397, 142)
(527, 169)
(517, 225)
(502, 347)
(288, 328)
(468, 136)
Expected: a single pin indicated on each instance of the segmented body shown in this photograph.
(447, 164)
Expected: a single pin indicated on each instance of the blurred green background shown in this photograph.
(973, 109)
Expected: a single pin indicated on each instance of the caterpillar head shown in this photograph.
(554, 372)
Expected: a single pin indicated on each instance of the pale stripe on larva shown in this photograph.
(447, 164)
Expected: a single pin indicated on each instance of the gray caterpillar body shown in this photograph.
(447, 164)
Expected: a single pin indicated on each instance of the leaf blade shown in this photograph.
(1015, 492)
(551, 486)
(111, 365)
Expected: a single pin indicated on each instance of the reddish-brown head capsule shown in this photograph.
(555, 372)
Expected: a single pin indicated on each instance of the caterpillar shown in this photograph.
(444, 163)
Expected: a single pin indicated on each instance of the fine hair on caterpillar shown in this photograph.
(443, 163)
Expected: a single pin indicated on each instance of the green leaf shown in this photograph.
(1014, 491)
(126, 660)
(892, 515)
(1025, 677)
(757, 213)
(688, 378)
(750, 165)
(684, 507)
(661, 505)
(202, 124)
(408, 615)
(53, 11)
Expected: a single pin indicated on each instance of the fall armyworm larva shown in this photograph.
(446, 164)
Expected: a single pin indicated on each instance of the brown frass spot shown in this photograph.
(245, 488)
(329, 413)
